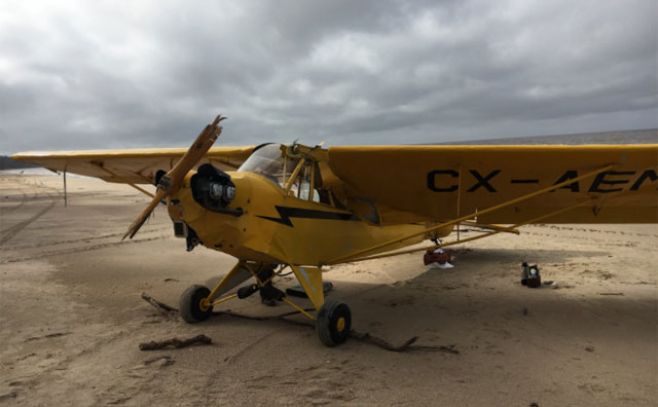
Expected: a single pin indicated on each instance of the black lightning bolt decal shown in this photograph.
(286, 212)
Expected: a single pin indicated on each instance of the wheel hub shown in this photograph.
(204, 304)
(340, 324)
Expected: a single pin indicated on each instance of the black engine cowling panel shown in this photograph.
(213, 189)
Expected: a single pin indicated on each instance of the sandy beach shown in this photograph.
(71, 317)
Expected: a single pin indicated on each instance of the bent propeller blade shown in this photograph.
(193, 155)
(171, 182)
(160, 194)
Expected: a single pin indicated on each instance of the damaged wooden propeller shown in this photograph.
(171, 182)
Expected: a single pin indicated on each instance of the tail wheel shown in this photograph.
(333, 323)
(191, 304)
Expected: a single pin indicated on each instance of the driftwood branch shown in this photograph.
(373, 340)
(176, 343)
(53, 335)
(162, 308)
(407, 346)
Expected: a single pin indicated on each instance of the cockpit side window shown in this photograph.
(270, 161)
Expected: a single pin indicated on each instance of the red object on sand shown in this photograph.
(435, 256)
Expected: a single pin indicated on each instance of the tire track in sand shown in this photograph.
(48, 192)
(12, 231)
(87, 239)
(79, 249)
(10, 209)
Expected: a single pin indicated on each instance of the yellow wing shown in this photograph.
(593, 184)
(134, 166)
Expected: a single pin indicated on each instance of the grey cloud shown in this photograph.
(77, 74)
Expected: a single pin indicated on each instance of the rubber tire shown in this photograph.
(190, 304)
(326, 323)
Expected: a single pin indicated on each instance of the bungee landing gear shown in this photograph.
(333, 319)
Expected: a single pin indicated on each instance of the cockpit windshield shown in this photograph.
(269, 162)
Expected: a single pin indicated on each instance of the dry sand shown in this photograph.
(71, 318)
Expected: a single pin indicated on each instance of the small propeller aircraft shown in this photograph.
(276, 206)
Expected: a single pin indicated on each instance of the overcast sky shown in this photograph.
(101, 74)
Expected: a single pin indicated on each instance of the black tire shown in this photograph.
(190, 304)
(333, 323)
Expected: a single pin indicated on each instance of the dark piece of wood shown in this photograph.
(176, 343)
(435, 348)
(163, 308)
(379, 342)
(53, 335)
(407, 346)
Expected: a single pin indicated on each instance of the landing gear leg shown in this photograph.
(333, 320)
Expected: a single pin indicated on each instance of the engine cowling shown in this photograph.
(212, 188)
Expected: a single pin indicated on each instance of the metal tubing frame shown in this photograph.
(221, 283)
(311, 182)
(285, 298)
(298, 308)
(499, 228)
(294, 175)
(494, 208)
(223, 299)
(210, 301)
(228, 297)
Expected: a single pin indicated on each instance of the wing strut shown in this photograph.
(500, 229)
(494, 208)
(66, 201)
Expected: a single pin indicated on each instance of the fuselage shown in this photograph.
(272, 225)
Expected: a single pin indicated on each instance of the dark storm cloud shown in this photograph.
(93, 75)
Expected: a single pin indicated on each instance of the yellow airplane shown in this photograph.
(274, 206)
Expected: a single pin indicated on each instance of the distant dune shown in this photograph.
(648, 136)
(7, 163)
